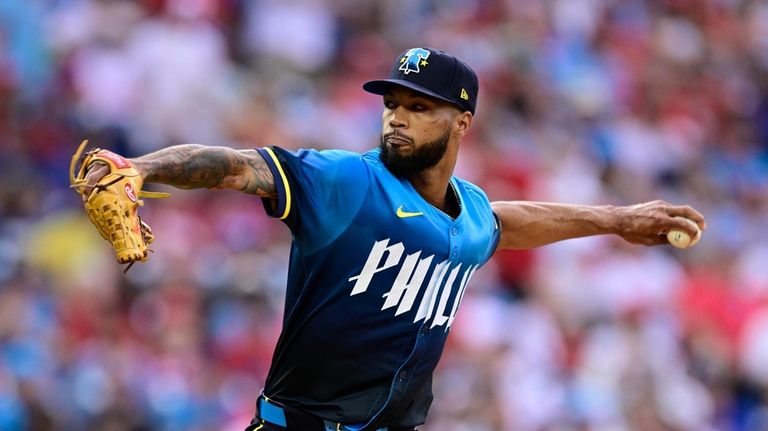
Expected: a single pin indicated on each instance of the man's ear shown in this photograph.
(463, 122)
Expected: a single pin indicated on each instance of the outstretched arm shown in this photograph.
(533, 224)
(199, 166)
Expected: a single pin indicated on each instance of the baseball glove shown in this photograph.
(112, 203)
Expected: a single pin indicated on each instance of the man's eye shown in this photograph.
(419, 107)
(389, 104)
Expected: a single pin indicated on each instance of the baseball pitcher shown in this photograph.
(385, 244)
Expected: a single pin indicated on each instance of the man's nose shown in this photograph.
(397, 118)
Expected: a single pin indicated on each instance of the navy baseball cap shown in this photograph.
(432, 72)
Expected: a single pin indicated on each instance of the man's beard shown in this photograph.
(423, 157)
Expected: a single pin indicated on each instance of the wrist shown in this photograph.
(140, 166)
(614, 219)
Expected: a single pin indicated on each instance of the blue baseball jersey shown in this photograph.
(376, 275)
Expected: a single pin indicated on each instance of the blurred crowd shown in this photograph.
(582, 101)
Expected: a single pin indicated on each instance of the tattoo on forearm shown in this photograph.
(197, 166)
(258, 179)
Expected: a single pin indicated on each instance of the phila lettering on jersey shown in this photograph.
(446, 280)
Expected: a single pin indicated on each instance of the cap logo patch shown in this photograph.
(412, 59)
(464, 95)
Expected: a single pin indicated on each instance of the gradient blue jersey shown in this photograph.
(375, 279)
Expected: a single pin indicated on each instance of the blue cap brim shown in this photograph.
(382, 86)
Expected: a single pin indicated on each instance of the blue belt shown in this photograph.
(274, 413)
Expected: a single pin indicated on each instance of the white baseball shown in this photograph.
(681, 239)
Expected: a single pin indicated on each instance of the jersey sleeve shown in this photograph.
(318, 192)
(493, 229)
(486, 218)
(495, 234)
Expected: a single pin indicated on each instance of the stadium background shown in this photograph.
(582, 101)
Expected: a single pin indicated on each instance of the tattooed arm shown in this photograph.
(199, 166)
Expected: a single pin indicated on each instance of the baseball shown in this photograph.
(681, 239)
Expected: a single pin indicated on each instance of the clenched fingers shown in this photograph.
(97, 171)
(688, 212)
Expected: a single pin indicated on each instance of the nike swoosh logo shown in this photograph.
(406, 214)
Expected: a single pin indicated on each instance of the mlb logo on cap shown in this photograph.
(432, 72)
